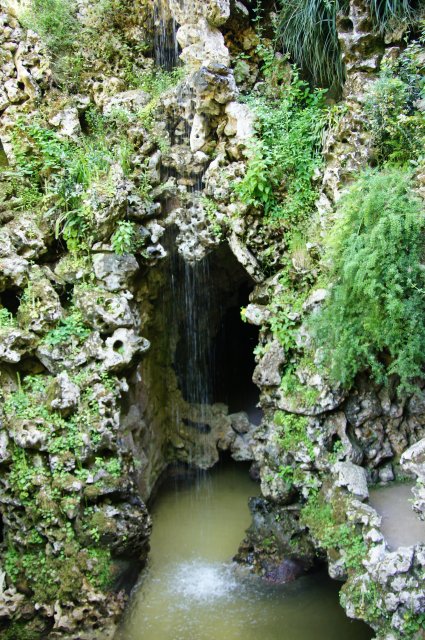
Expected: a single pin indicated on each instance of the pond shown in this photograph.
(191, 590)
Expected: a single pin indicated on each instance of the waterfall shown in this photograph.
(166, 48)
(189, 313)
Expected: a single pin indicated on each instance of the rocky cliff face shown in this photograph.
(115, 176)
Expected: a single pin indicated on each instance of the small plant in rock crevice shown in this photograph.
(292, 433)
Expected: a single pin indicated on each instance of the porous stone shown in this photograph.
(353, 478)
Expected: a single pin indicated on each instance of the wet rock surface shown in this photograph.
(92, 405)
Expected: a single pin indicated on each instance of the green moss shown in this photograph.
(333, 532)
(19, 631)
(292, 433)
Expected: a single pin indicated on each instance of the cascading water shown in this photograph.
(192, 590)
(166, 48)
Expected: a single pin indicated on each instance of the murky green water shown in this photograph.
(400, 524)
(192, 590)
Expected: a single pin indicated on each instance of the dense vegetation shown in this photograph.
(374, 316)
(307, 30)
(286, 152)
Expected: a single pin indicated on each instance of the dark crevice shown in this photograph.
(11, 299)
(214, 358)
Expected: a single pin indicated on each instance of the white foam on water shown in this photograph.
(200, 581)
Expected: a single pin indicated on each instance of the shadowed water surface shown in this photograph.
(192, 590)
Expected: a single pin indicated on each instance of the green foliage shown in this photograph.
(285, 153)
(19, 631)
(37, 151)
(124, 238)
(72, 326)
(100, 575)
(157, 81)
(373, 318)
(54, 577)
(367, 602)
(7, 320)
(320, 517)
(55, 21)
(292, 433)
(388, 14)
(398, 127)
(304, 395)
(413, 623)
(286, 307)
(210, 209)
(65, 178)
(307, 30)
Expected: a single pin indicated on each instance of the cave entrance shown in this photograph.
(214, 359)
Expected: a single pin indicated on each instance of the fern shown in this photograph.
(374, 316)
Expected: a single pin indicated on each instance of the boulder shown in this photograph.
(351, 477)
(116, 272)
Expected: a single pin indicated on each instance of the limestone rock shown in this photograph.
(116, 272)
(246, 258)
(122, 348)
(105, 311)
(40, 306)
(67, 123)
(267, 373)
(30, 434)
(199, 132)
(239, 128)
(413, 461)
(361, 407)
(14, 343)
(352, 477)
(132, 101)
(65, 394)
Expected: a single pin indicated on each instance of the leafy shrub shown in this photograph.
(373, 318)
(398, 127)
(55, 21)
(285, 153)
(124, 238)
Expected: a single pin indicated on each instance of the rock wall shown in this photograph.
(93, 409)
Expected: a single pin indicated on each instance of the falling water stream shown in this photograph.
(165, 42)
(191, 590)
